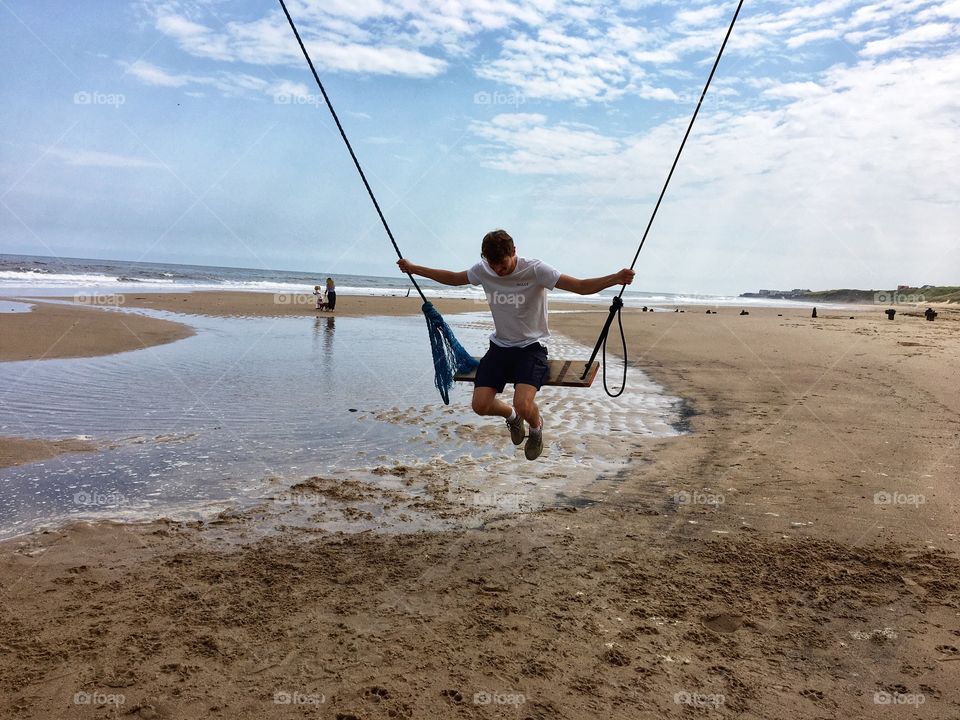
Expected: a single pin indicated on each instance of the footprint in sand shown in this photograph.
(376, 693)
(722, 622)
(616, 658)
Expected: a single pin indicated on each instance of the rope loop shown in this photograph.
(615, 307)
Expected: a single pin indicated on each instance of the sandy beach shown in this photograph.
(55, 331)
(793, 555)
(253, 304)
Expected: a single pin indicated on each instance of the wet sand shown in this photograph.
(55, 332)
(51, 331)
(17, 451)
(794, 555)
(255, 304)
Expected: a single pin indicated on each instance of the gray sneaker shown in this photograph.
(516, 430)
(534, 445)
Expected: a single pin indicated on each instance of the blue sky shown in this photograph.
(825, 155)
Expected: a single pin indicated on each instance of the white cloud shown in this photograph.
(922, 35)
(700, 17)
(853, 174)
(193, 37)
(378, 60)
(231, 84)
(858, 37)
(559, 50)
(268, 41)
(580, 50)
(523, 143)
(392, 37)
(884, 11)
(813, 35)
(846, 105)
(555, 66)
(152, 75)
(950, 9)
(518, 119)
(795, 90)
(91, 158)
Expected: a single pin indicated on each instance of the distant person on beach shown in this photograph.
(331, 295)
(319, 293)
(516, 290)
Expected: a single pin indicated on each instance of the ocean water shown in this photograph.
(35, 275)
(247, 406)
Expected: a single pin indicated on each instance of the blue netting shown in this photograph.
(449, 356)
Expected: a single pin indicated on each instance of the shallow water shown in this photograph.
(8, 306)
(249, 405)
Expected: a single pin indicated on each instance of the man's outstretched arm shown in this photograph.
(595, 285)
(445, 277)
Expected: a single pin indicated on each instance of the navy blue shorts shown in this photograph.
(527, 365)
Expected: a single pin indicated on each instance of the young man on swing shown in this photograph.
(516, 290)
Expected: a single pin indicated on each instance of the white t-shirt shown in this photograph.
(518, 301)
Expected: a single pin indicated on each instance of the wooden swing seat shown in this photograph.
(564, 373)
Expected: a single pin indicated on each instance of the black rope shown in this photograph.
(623, 341)
(618, 303)
(349, 146)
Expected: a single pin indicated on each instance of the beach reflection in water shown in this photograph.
(250, 407)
